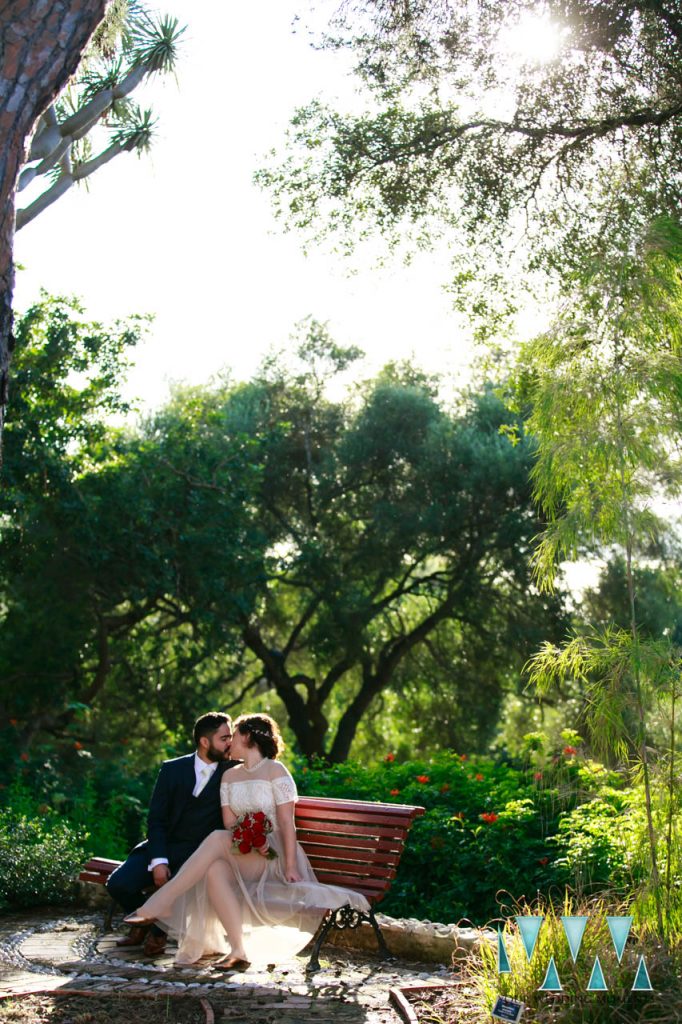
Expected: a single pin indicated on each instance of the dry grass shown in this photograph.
(574, 1005)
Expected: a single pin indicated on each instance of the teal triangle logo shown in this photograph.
(597, 982)
(503, 965)
(529, 926)
(642, 982)
(551, 982)
(574, 928)
(620, 929)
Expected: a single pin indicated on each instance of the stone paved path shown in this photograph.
(43, 952)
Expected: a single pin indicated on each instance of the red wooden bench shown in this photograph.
(352, 843)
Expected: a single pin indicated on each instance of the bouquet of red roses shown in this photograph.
(250, 832)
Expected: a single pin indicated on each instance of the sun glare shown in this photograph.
(533, 39)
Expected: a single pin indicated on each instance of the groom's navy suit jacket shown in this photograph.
(175, 816)
(177, 824)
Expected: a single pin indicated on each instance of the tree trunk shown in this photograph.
(41, 42)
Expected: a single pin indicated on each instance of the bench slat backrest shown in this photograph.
(98, 870)
(354, 843)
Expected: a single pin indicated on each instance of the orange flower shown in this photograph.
(489, 817)
(479, 777)
(389, 757)
(537, 776)
(395, 792)
(13, 721)
(24, 756)
(78, 745)
(305, 770)
(423, 778)
(462, 757)
(445, 788)
(569, 751)
(543, 860)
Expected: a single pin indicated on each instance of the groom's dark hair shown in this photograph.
(209, 723)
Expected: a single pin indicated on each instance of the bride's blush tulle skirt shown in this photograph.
(279, 918)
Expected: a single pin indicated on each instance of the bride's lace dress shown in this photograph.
(279, 917)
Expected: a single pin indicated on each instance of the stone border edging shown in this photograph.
(411, 939)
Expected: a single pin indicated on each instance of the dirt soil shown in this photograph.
(109, 1009)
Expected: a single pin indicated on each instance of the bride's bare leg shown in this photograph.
(223, 894)
(214, 848)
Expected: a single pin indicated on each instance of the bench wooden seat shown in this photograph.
(353, 843)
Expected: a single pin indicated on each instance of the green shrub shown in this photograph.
(596, 842)
(102, 801)
(492, 832)
(39, 861)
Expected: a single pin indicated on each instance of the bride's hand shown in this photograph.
(292, 875)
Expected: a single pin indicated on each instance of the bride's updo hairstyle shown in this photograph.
(262, 732)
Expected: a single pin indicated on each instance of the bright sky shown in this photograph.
(184, 233)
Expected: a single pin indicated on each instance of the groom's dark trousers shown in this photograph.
(176, 825)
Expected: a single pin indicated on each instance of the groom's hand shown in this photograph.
(161, 873)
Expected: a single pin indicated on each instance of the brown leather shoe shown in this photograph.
(154, 944)
(135, 937)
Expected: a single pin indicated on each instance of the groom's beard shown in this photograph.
(213, 754)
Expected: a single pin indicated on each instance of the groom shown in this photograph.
(184, 809)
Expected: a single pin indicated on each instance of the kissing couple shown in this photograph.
(263, 905)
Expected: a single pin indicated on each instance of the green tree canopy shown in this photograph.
(522, 163)
(262, 542)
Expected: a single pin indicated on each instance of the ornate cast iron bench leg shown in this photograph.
(383, 948)
(346, 917)
(325, 927)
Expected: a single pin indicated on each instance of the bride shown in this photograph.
(245, 904)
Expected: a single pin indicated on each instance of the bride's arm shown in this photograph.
(229, 817)
(285, 821)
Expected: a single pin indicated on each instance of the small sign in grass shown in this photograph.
(507, 1009)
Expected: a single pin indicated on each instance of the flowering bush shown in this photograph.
(488, 826)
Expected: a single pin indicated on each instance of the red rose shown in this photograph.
(423, 778)
(537, 776)
(489, 817)
(389, 757)
(569, 751)
(244, 846)
(259, 816)
(478, 777)
(395, 792)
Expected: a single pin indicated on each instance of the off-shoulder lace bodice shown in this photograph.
(269, 786)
